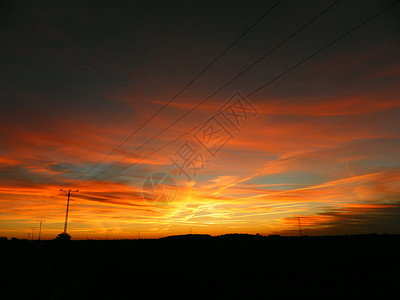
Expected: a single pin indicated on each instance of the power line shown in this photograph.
(171, 142)
(184, 88)
(264, 85)
(219, 89)
(326, 46)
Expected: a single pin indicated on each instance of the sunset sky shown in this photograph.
(321, 143)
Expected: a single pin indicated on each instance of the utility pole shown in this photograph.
(40, 228)
(298, 219)
(69, 194)
(33, 231)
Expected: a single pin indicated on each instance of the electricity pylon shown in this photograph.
(69, 193)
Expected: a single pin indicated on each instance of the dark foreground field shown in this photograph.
(194, 266)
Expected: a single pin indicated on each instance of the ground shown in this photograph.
(244, 266)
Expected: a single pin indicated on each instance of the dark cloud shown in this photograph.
(359, 221)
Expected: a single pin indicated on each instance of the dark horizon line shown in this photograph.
(209, 236)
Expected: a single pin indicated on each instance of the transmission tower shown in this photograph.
(69, 194)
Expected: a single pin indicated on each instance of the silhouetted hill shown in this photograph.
(233, 265)
(187, 237)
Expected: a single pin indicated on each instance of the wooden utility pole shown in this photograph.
(69, 194)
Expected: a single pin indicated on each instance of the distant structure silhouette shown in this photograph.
(69, 194)
(300, 233)
(40, 228)
(33, 232)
